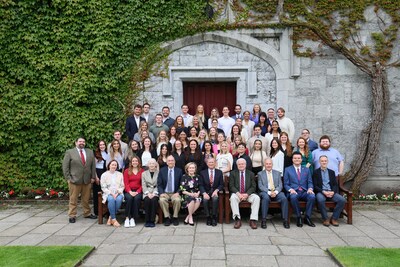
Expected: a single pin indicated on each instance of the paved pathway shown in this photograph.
(201, 245)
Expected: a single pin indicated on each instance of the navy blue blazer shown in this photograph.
(291, 181)
(312, 145)
(162, 179)
(131, 127)
(317, 181)
(205, 181)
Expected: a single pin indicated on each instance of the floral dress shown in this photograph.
(189, 184)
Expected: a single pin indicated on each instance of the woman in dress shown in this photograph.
(306, 155)
(147, 152)
(162, 158)
(162, 139)
(115, 153)
(214, 115)
(224, 159)
(193, 154)
(112, 185)
(150, 192)
(264, 123)
(277, 156)
(133, 150)
(189, 186)
(287, 150)
(144, 126)
(257, 157)
(133, 191)
(256, 113)
(179, 155)
(203, 119)
(101, 156)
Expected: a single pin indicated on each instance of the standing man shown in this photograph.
(187, 118)
(238, 112)
(285, 124)
(270, 186)
(312, 145)
(298, 184)
(270, 115)
(242, 186)
(158, 126)
(326, 187)
(167, 120)
(257, 136)
(133, 122)
(211, 182)
(225, 122)
(146, 114)
(117, 136)
(79, 168)
(168, 188)
(335, 159)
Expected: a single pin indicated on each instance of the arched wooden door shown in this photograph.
(210, 95)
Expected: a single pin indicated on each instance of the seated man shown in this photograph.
(326, 187)
(298, 184)
(168, 188)
(242, 186)
(270, 185)
(211, 182)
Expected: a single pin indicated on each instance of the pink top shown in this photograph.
(133, 182)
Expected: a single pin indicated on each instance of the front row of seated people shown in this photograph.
(189, 189)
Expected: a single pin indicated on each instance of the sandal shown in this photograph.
(109, 221)
(115, 223)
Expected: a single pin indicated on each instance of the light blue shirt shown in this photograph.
(334, 158)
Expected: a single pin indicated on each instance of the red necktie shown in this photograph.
(298, 177)
(242, 183)
(211, 178)
(82, 157)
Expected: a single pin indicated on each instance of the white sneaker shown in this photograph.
(126, 224)
(132, 222)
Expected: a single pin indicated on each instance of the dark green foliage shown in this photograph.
(65, 70)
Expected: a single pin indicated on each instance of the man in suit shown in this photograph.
(133, 122)
(299, 185)
(168, 188)
(167, 120)
(270, 185)
(211, 182)
(79, 169)
(271, 115)
(147, 115)
(326, 187)
(242, 186)
(238, 112)
(257, 136)
(312, 145)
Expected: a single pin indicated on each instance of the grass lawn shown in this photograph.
(42, 256)
(364, 257)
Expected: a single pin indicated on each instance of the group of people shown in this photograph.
(184, 161)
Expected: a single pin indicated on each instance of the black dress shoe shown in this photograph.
(167, 221)
(286, 224)
(91, 216)
(308, 221)
(175, 221)
(209, 220)
(214, 221)
(72, 220)
(264, 224)
(299, 222)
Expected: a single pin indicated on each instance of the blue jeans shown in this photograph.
(338, 199)
(114, 205)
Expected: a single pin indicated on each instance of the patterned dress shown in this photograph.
(189, 184)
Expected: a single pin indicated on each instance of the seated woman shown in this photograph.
(133, 191)
(190, 188)
(112, 185)
(257, 157)
(150, 192)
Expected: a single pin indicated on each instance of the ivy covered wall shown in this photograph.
(65, 71)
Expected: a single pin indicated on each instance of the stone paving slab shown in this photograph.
(305, 261)
(252, 249)
(251, 260)
(203, 263)
(181, 260)
(163, 248)
(143, 259)
(58, 240)
(208, 253)
(209, 239)
(29, 240)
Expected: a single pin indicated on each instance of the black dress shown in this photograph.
(189, 184)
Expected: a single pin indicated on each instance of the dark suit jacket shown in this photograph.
(312, 145)
(291, 181)
(263, 181)
(131, 127)
(162, 180)
(317, 180)
(73, 168)
(205, 181)
(249, 185)
(169, 122)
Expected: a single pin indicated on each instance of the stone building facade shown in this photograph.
(327, 95)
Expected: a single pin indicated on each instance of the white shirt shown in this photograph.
(226, 123)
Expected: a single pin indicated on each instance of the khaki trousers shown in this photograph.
(255, 206)
(164, 204)
(74, 191)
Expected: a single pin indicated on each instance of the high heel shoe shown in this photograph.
(186, 221)
(115, 223)
(109, 221)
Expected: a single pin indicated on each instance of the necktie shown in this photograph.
(271, 182)
(298, 177)
(211, 177)
(170, 186)
(82, 157)
(242, 183)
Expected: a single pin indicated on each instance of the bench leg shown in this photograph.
(227, 209)
(220, 209)
(100, 208)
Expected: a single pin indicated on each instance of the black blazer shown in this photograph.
(131, 127)
(317, 181)
(153, 153)
(162, 179)
(205, 181)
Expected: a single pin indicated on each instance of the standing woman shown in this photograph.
(183, 138)
(235, 132)
(257, 157)
(179, 124)
(264, 123)
(172, 135)
(202, 138)
(162, 158)
(150, 192)
(179, 155)
(162, 139)
(196, 124)
(115, 153)
(274, 132)
(203, 119)
(193, 133)
(133, 191)
(207, 153)
(248, 124)
(112, 185)
(193, 154)
(214, 115)
(144, 126)
(213, 135)
(224, 159)
(101, 157)
(256, 113)
(133, 150)
(190, 188)
(306, 155)
(277, 156)
(217, 145)
(147, 152)
(287, 150)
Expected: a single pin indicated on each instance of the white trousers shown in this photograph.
(254, 199)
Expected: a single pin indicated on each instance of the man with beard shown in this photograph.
(285, 123)
(335, 159)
